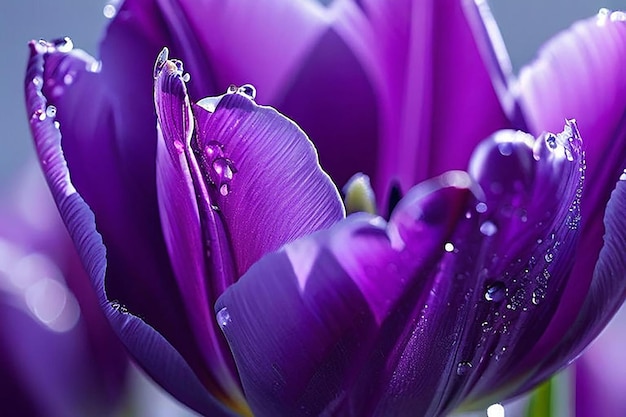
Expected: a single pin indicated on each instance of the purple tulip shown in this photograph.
(196, 217)
(59, 355)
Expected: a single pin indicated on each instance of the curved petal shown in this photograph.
(278, 192)
(437, 66)
(579, 74)
(152, 351)
(194, 233)
(413, 316)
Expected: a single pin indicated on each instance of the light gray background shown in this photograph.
(525, 24)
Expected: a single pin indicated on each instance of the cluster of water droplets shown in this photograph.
(606, 15)
(220, 168)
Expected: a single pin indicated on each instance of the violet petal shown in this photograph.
(278, 192)
(164, 363)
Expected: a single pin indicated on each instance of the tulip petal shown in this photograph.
(194, 232)
(426, 100)
(160, 359)
(301, 322)
(261, 43)
(278, 191)
(417, 314)
(579, 74)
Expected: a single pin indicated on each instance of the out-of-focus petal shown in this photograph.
(279, 191)
(152, 351)
(426, 101)
(415, 315)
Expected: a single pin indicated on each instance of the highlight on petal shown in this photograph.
(415, 315)
(162, 361)
(416, 49)
(235, 181)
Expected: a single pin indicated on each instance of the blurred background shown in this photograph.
(525, 25)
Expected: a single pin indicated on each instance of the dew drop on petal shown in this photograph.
(109, 11)
(448, 247)
(551, 141)
(186, 77)
(488, 228)
(223, 318)
(495, 292)
(232, 89)
(63, 44)
(51, 111)
(623, 176)
(463, 368)
(481, 207)
(495, 410)
(160, 61)
(247, 90)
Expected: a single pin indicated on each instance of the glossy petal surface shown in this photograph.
(154, 353)
(436, 303)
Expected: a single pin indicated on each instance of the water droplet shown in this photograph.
(118, 306)
(223, 318)
(495, 292)
(486, 326)
(463, 368)
(538, 295)
(68, 79)
(39, 115)
(160, 61)
(488, 228)
(224, 189)
(569, 155)
(62, 44)
(448, 247)
(232, 89)
(542, 279)
(623, 176)
(38, 80)
(505, 148)
(495, 410)
(222, 168)
(51, 111)
(186, 77)
(549, 256)
(247, 90)
(539, 241)
(109, 11)
(551, 141)
(618, 16)
(214, 150)
(57, 124)
(481, 207)
(179, 146)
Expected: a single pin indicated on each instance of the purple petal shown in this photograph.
(202, 269)
(278, 191)
(572, 78)
(426, 100)
(153, 352)
(263, 43)
(418, 315)
(579, 74)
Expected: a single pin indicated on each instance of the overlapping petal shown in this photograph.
(164, 363)
(236, 181)
(416, 315)
(425, 100)
(570, 73)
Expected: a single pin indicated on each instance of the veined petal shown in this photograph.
(193, 231)
(579, 74)
(415, 315)
(160, 359)
(272, 189)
